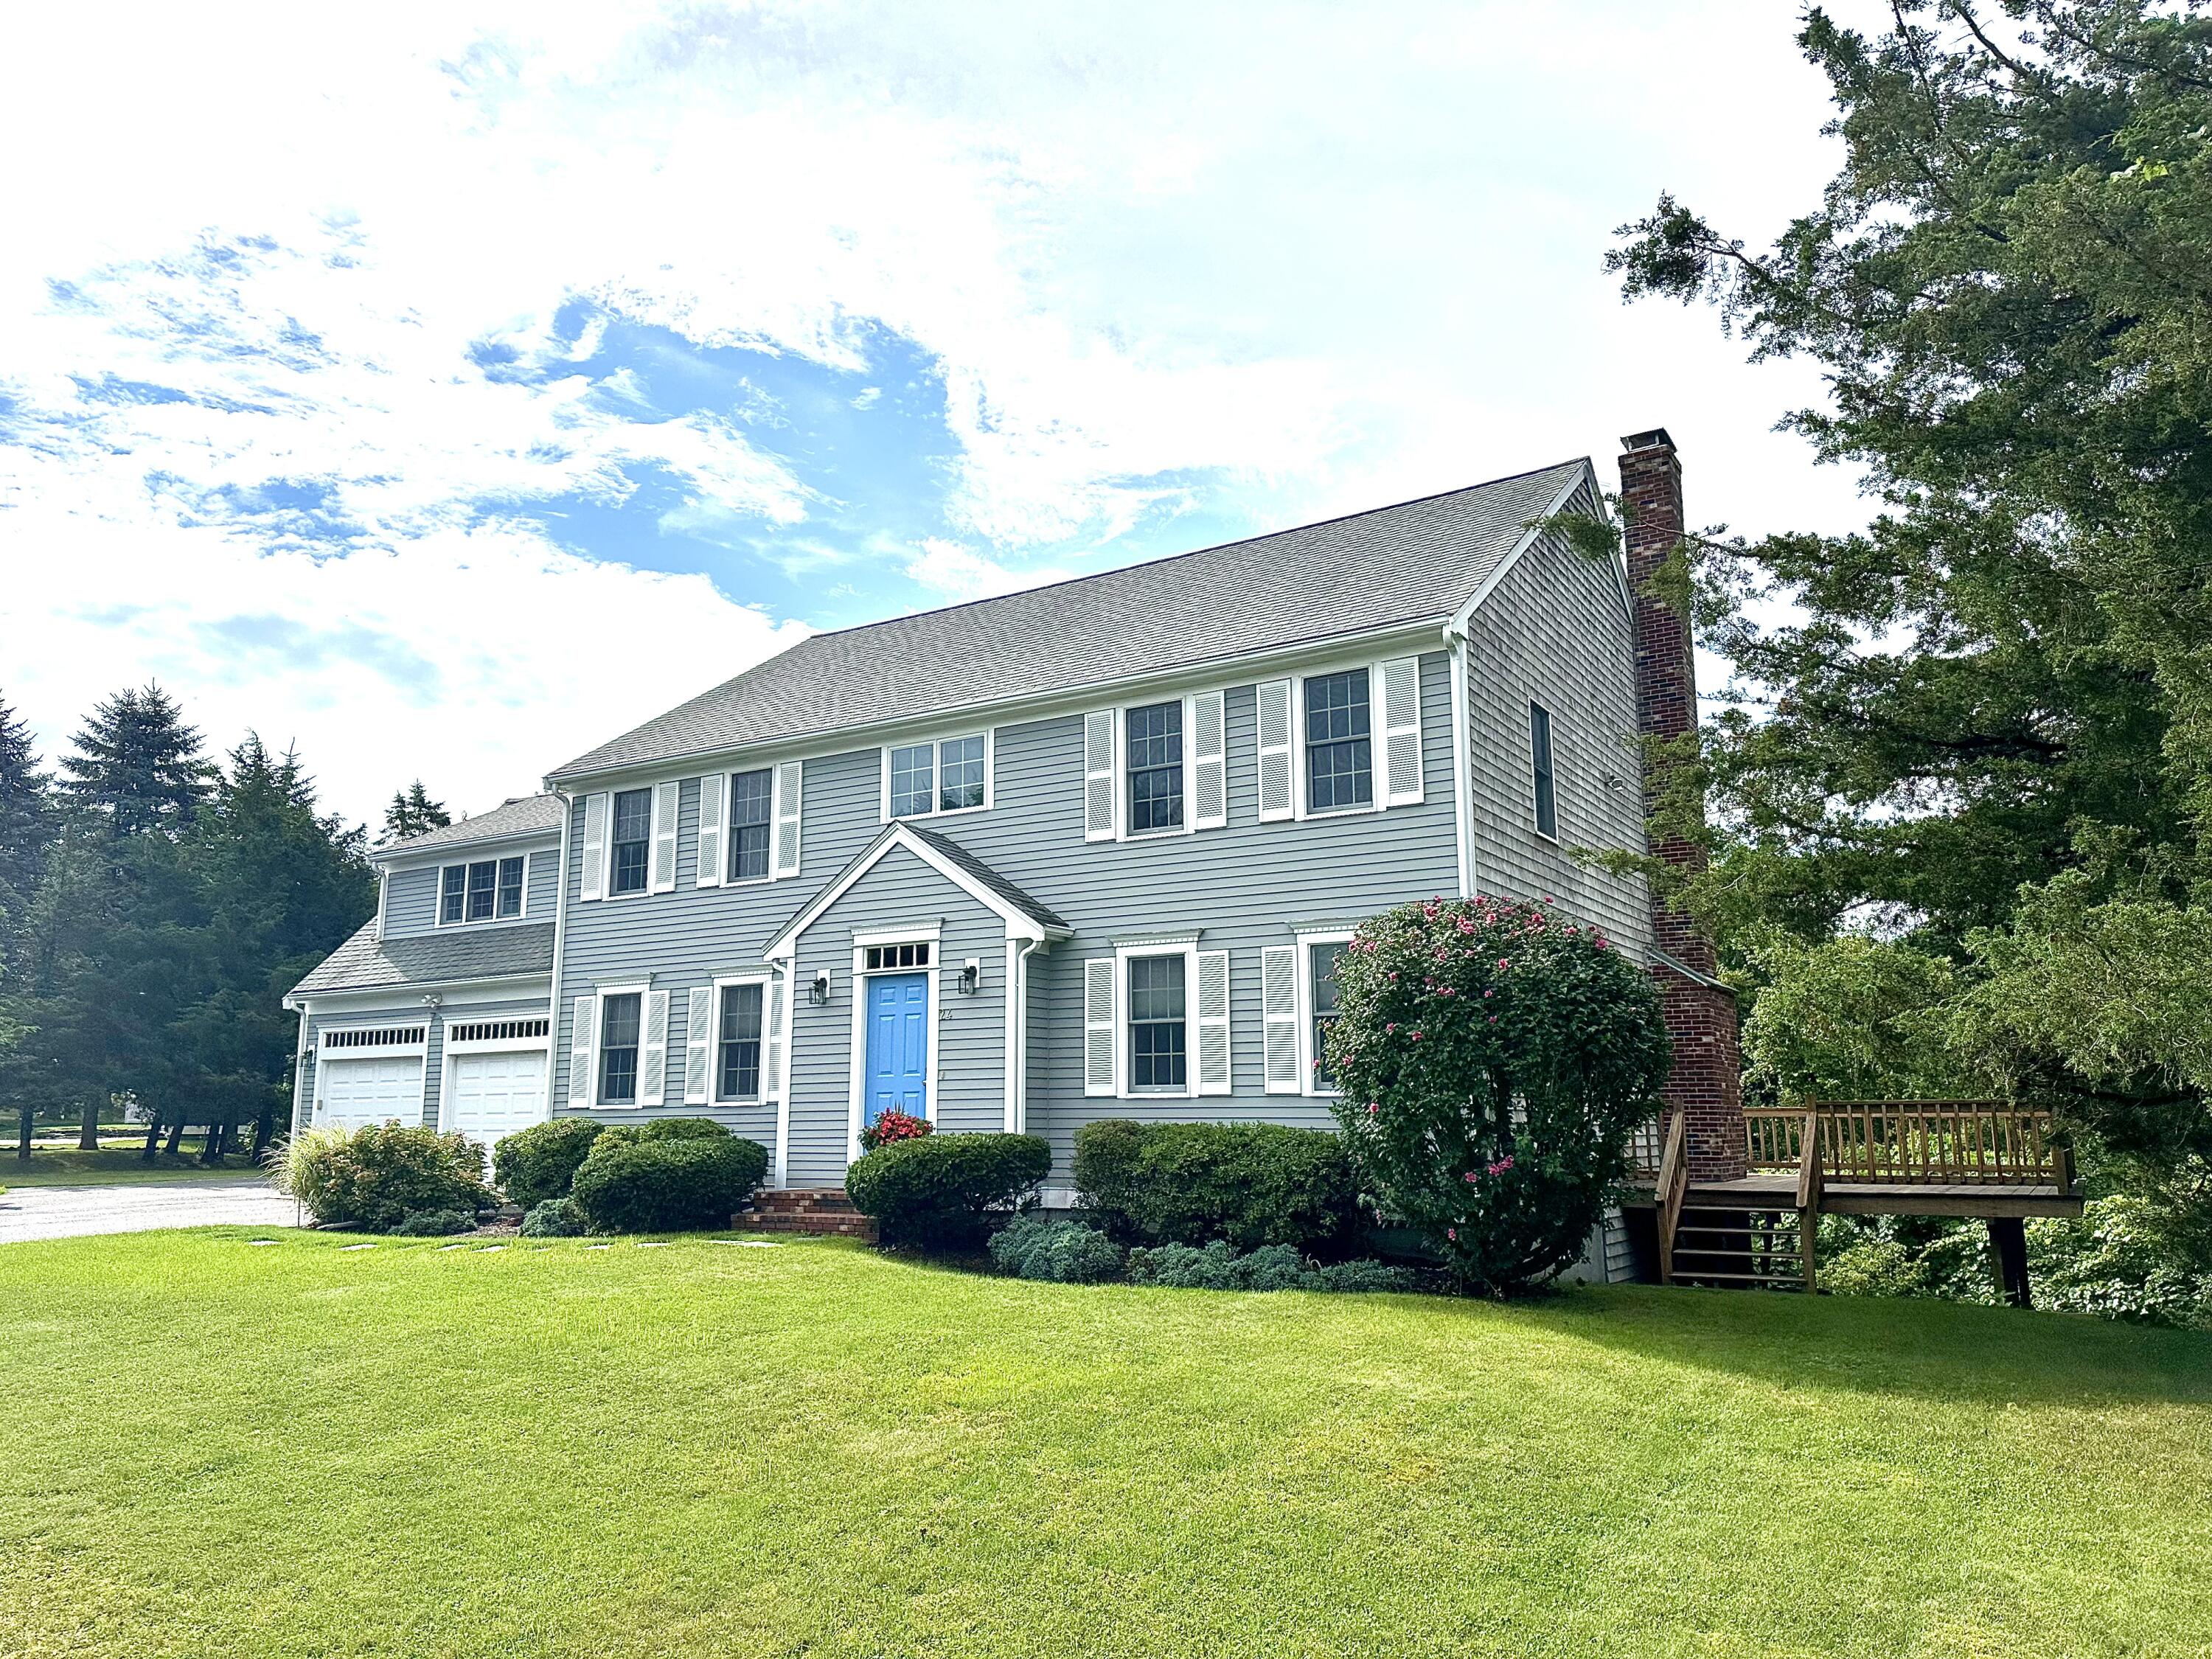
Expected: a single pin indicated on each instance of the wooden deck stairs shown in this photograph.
(1988, 1159)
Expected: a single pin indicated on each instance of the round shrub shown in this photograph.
(376, 1177)
(1270, 1267)
(1494, 1060)
(536, 1164)
(667, 1183)
(1058, 1252)
(939, 1191)
(434, 1224)
(662, 1128)
(893, 1126)
(557, 1217)
(1249, 1183)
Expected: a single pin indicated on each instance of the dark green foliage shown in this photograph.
(556, 1217)
(1058, 1252)
(435, 1223)
(1356, 1277)
(412, 812)
(377, 1176)
(1270, 1267)
(539, 1163)
(137, 766)
(27, 823)
(638, 1182)
(662, 1128)
(1248, 1184)
(1494, 1059)
(940, 1192)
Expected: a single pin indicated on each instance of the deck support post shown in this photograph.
(2008, 1244)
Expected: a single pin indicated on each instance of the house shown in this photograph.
(1087, 850)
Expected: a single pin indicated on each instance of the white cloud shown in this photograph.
(1288, 260)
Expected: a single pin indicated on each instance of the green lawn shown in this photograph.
(57, 1166)
(706, 1449)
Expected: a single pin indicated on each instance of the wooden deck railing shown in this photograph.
(1912, 1143)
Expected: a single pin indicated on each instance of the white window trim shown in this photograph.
(730, 827)
(438, 894)
(1552, 728)
(607, 855)
(1302, 807)
(861, 974)
(1307, 936)
(640, 989)
(1183, 945)
(714, 1094)
(989, 735)
(1122, 830)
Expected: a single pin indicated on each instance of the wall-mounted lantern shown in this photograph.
(971, 977)
(818, 991)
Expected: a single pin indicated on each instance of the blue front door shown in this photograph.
(898, 1044)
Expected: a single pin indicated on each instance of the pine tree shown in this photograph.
(139, 765)
(412, 812)
(26, 818)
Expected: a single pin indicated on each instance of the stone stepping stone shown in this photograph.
(343, 1249)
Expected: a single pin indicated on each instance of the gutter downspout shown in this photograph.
(1462, 758)
(1018, 1039)
(560, 937)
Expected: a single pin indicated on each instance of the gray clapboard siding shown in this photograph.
(410, 899)
(1554, 631)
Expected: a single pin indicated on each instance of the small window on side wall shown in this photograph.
(1539, 750)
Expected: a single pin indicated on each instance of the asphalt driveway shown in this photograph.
(69, 1211)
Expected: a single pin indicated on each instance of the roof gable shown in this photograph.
(1024, 916)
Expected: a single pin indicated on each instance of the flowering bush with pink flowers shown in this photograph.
(892, 1126)
(1493, 1058)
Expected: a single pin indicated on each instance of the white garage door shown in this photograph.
(495, 1094)
(360, 1091)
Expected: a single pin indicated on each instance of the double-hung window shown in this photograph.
(1159, 1050)
(1321, 969)
(1539, 754)
(1340, 751)
(740, 1070)
(948, 775)
(619, 1018)
(752, 810)
(633, 841)
(1155, 763)
(487, 889)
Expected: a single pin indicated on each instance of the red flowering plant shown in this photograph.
(1493, 1058)
(893, 1126)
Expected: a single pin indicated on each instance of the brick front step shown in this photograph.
(819, 1210)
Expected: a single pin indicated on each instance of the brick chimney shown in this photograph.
(1706, 1085)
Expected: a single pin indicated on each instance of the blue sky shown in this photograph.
(450, 388)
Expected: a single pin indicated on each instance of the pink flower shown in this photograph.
(1470, 1176)
(1417, 1037)
(1370, 1108)
(1500, 1167)
(1392, 1026)
(1452, 1233)
(1504, 962)
(1489, 992)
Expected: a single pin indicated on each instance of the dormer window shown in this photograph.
(490, 890)
(946, 775)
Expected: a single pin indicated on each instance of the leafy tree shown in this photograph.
(137, 765)
(2004, 289)
(412, 812)
(1492, 1061)
(1851, 1018)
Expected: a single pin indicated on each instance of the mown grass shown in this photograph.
(706, 1448)
(57, 1166)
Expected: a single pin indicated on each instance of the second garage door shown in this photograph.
(494, 1095)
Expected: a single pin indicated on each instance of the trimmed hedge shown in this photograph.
(374, 1177)
(1247, 1184)
(533, 1165)
(658, 1177)
(1057, 1252)
(939, 1191)
(1272, 1267)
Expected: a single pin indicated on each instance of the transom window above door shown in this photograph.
(490, 890)
(882, 956)
(947, 774)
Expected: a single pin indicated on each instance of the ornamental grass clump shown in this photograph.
(1493, 1058)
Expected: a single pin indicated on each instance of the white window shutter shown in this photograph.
(698, 1046)
(1279, 1009)
(1277, 799)
(582, 1057)
(652, 1051)
(1213, 1073)
(1098, 775)
(788, 782)
(713, 800)
(666, 797)
(1400, 679)
(772, 1049)
(1209, 752)
(595, 846)
(1098, 977)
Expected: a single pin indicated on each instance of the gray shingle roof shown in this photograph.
(363, 962)
(989, 876)
(526, 815)
(1396, 564)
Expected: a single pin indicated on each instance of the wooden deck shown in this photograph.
(1977, 1199)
